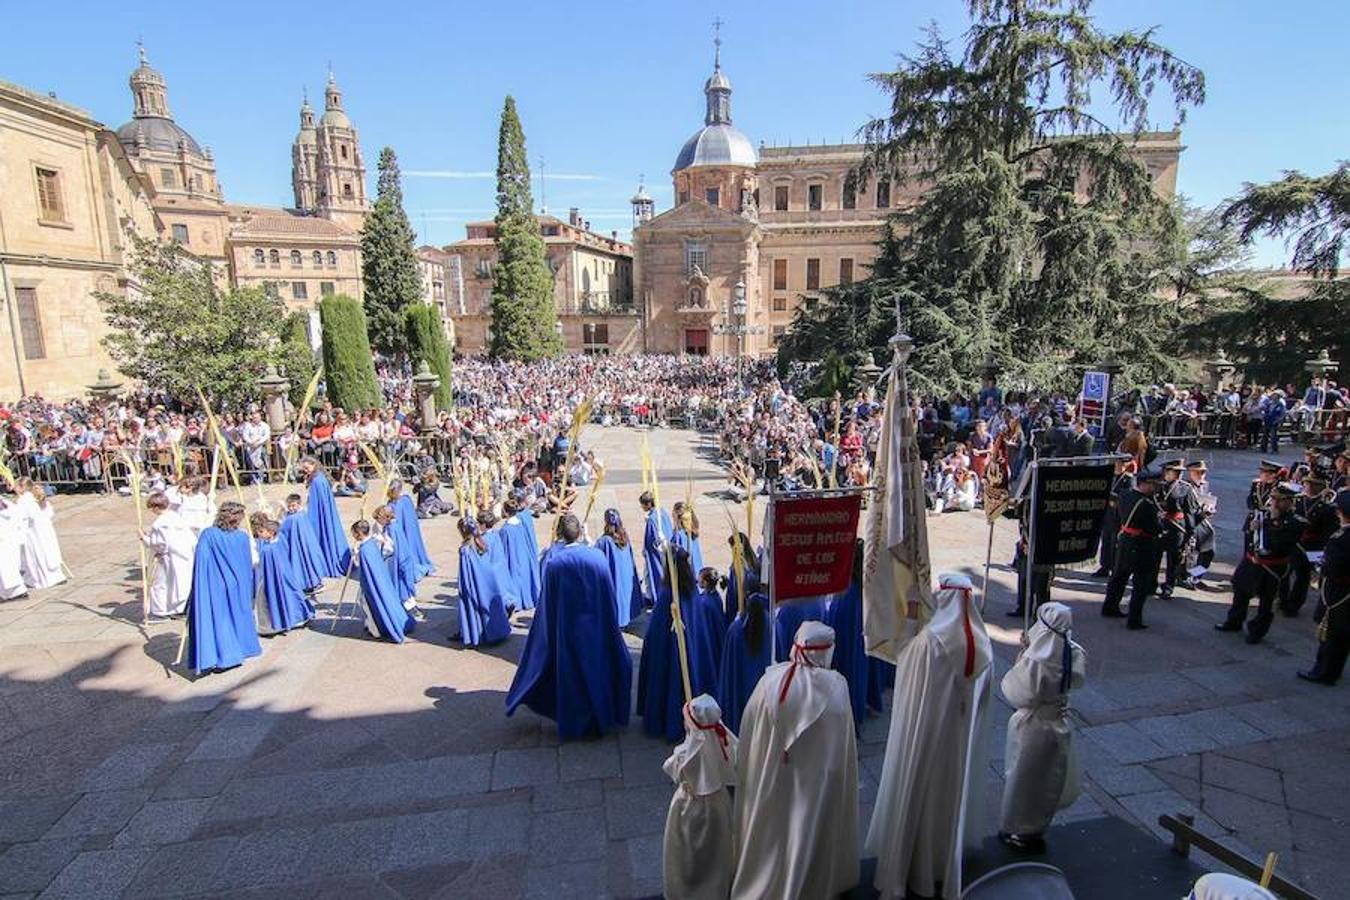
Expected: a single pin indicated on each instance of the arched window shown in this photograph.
(259, 258)
(318, 258)
(343, 149)
(295, 258)
(274, 257)
(332, 258)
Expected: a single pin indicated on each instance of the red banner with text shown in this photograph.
(813, 543)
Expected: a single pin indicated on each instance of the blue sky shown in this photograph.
(609, 91)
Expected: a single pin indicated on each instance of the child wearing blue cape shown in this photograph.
(575, 668)
(789, 617)
(660, 696)
(220, 629)
(686, 534)
(618, 551)
(658, 530)
(745, 656)
(407, 530)
(280, 603)
(865, 674)
(485, 591)
(520, 546)
(398, 556)
(323, 516)
(751, 563)
(302, 547)
(708, 610)
(385, 616)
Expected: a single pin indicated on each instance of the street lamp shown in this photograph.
(736, 313)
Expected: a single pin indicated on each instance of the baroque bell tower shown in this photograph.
(340, 170)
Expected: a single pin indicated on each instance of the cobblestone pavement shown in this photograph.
(340, 766)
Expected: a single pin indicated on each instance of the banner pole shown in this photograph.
(1029, 601)
(768, 559)
(988, 558)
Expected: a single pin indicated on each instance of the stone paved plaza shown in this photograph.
(339, 766)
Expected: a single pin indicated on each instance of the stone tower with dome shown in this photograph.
(692, 263)
(328, 173)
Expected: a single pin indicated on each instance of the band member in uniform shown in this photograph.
(1340, 474)
(1267, 476)
(1176, 504)
(1270, 537)
(1315, 507)
(1136, 550)
(1124, 480)
(1333, 609)
(1206, 507)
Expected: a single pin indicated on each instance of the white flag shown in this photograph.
(897, 584)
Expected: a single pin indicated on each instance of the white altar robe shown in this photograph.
(11, 551)
(797, 777)
(41, 551)
(1042, 774)
(698, 850)
(173, 542)
(932, 781)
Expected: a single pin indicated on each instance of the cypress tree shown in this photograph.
(348, 367)
(427, 342)
(297, 356)
(389, 262)
(524, 320)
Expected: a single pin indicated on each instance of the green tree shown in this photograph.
(1038, 237)
(179, 330)
(389, 262)
(1270, 326)
(297, 356)
(524, 320)
(427, 342)
(348, 366)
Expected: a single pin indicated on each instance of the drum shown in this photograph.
(1020, 881)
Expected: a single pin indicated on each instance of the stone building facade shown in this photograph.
(70, 189)
(70, 198)
(777, 224)
(592, 286)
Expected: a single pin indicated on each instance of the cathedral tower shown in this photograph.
(305, 161)
(339, 168)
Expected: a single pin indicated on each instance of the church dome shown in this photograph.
(156, 133)
(720, 144)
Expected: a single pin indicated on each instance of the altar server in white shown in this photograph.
(936, 754)
(698, 850)
(11, 551)
(42, 564)
(173, 542)
(1042, 770)
(797, 779)
(1222, 886)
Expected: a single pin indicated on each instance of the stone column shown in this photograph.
(105, 388)
(424, 387)
(274, 389)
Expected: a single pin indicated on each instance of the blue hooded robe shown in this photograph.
(742, 669)
(732, 605)
(844, 614)
(623, 572)
(713, 621)
(660, 699)
(691, 546)
(382, 600)
(303, 551)
(402, 568)
(575, 668)
(485, 594)
(521, 548)
(789, 618)
(658, 528)
(284, 605)
(408, 533)
(220, 629)
(323, 515)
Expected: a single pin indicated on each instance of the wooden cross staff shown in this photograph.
(134, 479)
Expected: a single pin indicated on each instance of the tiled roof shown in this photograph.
(283, 223)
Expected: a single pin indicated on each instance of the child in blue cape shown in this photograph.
(485, 590)
(385, 616)
(302, 547)
(279, 603)
(618, 551)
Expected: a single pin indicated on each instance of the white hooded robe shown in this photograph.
(174, 543)
(797, 779)
(11, 551)
(1042, 774)
(932, 780)
(41, 551)
(1222, 886)
(698, 855)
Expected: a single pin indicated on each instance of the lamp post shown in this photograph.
(1219, 368)
(425, 384)
(736, 313)
(274, 388)
(1321, 364)
(104, 389)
